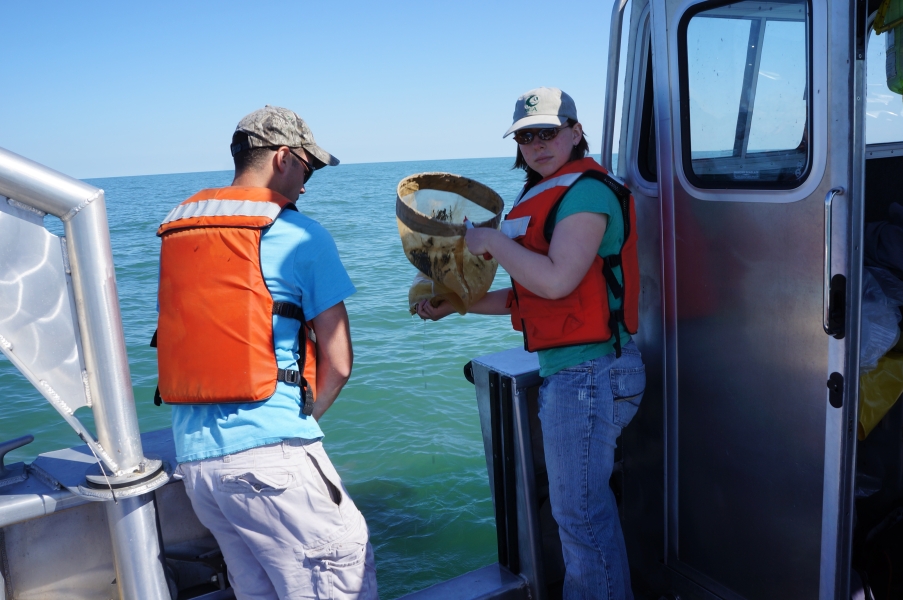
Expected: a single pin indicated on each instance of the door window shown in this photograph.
(646, 157)
(744, 91)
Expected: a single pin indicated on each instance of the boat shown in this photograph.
(740, 127)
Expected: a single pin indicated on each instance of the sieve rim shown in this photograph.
(472, 190)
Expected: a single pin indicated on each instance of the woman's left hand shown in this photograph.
(426, 310)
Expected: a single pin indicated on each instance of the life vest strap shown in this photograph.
(292, 311)
(290, 376)
(615, 317)
(608, 265)
(158, 399)
(289, 310)
(296, 378)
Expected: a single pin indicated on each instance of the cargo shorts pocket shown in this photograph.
(627, 387)
(259, 481)
(328, 487)
(340, 570)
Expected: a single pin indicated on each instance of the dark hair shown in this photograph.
(577, 152)
(251, 158)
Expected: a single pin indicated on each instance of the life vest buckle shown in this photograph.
(289, 376)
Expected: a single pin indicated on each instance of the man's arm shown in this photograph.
(334, 356)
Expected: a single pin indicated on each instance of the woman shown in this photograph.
(573, 235)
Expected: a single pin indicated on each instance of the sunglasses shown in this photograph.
(308, 168)
(526, 136)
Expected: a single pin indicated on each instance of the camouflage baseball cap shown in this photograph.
(542, 107)
(275, 126)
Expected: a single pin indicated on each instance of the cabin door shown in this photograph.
(756, 123)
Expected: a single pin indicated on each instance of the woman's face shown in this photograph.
(546, 157)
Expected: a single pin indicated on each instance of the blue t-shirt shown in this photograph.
(299, 259)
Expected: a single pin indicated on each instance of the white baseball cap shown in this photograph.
(542, 107)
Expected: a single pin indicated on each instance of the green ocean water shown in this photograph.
(405, 433)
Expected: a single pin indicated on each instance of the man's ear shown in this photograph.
(281, 160)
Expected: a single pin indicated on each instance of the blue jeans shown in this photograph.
(583, 410)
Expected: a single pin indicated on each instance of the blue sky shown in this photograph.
(97, 89)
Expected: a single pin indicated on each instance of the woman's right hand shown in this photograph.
(425, 310)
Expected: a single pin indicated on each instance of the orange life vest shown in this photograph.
(214, 335)
(583, 316)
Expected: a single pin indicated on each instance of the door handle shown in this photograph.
(826, 298)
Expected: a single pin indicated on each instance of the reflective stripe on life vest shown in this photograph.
(565, 181)
(223, 208)
(226, 207)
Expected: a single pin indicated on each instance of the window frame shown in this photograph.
(642, 110)
(686, 169)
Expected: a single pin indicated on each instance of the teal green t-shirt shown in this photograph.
(589, 195)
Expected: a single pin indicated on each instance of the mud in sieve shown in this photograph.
(430, 209)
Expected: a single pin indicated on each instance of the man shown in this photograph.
(242, 273)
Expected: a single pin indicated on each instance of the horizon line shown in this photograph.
(382, 162)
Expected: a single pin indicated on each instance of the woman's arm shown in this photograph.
(575, 243)
(493, 303)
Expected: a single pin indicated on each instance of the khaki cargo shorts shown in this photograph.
(285, 523)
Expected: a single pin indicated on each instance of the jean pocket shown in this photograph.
(627, 387)
(259, 481)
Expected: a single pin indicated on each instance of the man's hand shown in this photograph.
(334, 356)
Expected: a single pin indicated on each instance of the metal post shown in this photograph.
(132, 521)
(103, 341)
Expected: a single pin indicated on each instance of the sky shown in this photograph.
(103, 89)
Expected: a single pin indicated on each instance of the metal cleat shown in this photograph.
(14, 473)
